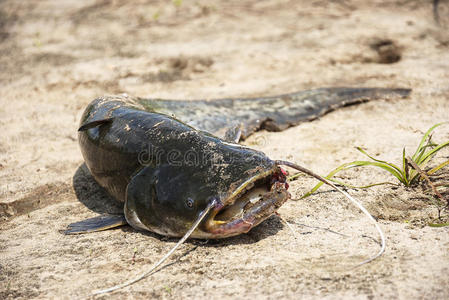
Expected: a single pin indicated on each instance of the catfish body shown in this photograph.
(166, 160)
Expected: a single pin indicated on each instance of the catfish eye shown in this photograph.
(189, 202)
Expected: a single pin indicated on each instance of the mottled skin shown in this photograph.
(166, 171)
(275, 113)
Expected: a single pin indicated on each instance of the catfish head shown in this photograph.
(168, 195)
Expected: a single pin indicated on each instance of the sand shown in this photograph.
(57, 56)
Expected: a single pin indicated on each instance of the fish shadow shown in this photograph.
(92, 195)
(266, 229)
(96, 199)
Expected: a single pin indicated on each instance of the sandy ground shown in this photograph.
(56, 56)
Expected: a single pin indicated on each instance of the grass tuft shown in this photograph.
(410, 173)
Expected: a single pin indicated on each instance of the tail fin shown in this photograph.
(308, 105)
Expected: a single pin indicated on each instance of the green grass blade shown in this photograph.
(420, 153)
(354, 164)
(427, 156)
(386, 166)
(405, 168)
(380, 161)
(418, 160)
(423, 140)
(423, 150)
(414, 175)
(294, 176)
(329, 176)
(438, 224)
(438, 167)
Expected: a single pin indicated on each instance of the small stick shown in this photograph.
(156, 265)
(355, 202)
(424, 175)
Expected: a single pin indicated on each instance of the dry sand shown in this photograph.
(56, 56)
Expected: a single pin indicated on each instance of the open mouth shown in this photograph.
(250, 204)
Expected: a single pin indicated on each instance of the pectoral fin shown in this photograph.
(94, 224)
(140, 197)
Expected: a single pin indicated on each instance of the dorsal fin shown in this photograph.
(95, 123)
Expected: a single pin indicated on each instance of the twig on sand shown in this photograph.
(426, 177)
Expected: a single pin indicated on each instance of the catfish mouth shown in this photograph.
(250, 204)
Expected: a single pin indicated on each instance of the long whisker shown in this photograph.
(212, 204)
(355, 202)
